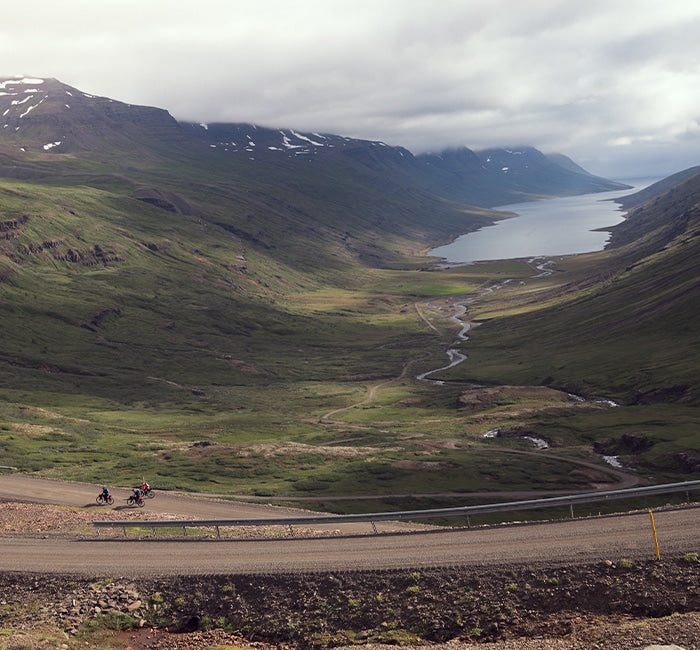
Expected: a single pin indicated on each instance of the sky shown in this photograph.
(614, 84)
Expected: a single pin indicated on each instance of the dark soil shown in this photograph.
(321, 610)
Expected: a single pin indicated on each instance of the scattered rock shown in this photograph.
(470, 604)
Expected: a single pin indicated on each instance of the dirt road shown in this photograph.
(28, 489)
(21, 488)
(585, 540)
(578, 540)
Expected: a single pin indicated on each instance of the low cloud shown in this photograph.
(614, 85)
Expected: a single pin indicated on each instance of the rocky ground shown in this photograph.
(607, 605)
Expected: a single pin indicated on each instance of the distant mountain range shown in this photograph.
(45, 115)
(484, 178)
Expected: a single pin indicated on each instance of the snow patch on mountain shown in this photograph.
(20, 81)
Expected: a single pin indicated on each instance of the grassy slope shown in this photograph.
(626, 332)
(212, 269)
(168, 319)
(198, 319)
(631, 333)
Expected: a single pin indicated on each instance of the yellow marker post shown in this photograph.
(653, 532)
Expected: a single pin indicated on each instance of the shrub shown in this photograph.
(110, 621)
(156, 598)
(624, 563)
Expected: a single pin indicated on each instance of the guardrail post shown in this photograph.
(184, 531)
(653, 532)
(374, 528)
(291, 530)
(469, 523)
(218, 535)
(124, 530)
(154, 531)
(571, 509)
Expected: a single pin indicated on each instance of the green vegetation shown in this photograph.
(109, 621)
(625, 563)
(250, 330)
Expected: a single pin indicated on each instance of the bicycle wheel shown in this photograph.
(99, 499)
(140, 503)
(150, 494)
(110, 500)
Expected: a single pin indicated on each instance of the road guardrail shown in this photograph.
(372, 518)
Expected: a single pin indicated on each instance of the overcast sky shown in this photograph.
(615, 84)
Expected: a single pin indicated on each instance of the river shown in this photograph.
(560, 226)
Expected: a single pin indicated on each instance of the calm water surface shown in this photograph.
(562, 226)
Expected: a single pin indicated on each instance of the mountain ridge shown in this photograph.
(458, 173)
(45, 115)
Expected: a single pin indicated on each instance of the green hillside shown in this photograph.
(632, 332)
(626, 332)
(253, 324)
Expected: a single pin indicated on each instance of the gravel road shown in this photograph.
(582, 540)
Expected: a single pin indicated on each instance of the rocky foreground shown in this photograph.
(612, 604)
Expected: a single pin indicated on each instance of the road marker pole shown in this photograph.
(653, 532)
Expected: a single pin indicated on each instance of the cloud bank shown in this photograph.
(616, 86)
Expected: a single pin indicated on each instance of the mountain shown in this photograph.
(253, 141)
(657, 189)
(658, 214)
(53, 131)
(486, 178)
(132, 245)
(495, 177)
(45, 115)
(353, 199)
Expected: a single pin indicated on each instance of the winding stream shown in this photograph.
(455, 357)
(549, 227)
